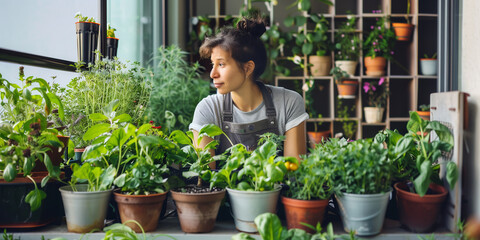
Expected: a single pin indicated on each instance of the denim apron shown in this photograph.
(247, 133)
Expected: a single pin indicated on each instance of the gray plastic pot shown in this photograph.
(363, 213)
(428, 66)
(85, 211)
(247, 205)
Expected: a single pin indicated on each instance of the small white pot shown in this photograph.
(428, 66)
(373, 114)
(348, 66)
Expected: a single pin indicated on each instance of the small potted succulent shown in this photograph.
(378, 48)
(112, 42)
(428, 65)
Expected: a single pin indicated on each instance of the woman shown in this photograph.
(243, 107)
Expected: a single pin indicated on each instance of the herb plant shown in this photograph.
(176, 90)
(380, 40)
(434, 56)
(81, 18)
(111, 31)
(424, 107)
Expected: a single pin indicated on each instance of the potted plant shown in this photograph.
(403, 30)
(315, 136)
(424, 111)
(378, 48)
(198, 205)
(309, 188)
(251, 181)
(87, 38)
(377, 94)
(347, 88)
(347, 46)
(112, 42)
(420, 193)
(26, 143)
(428, 65)
(362, 191)
(349, 125)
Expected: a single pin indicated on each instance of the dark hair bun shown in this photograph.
(256, 27)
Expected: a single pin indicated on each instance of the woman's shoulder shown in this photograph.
(284, 92)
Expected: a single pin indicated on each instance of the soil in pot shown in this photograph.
(145, 209)
(197, 208)
(419, 214)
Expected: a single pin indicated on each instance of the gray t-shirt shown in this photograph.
(288, 105)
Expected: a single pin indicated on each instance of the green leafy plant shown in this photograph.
(111, 31)
(306, 42)
(198, 158)
(176, 90)
(349, 126)
(347, 42)
(104, 82)
(360, 167)
(81, 18)
(312, 179)
(377, 93)
(259, 170)
(270, 227)
(25, 135)
(339, 75)
(434, 56)
(380, 40)
(417, 154)
(424, 107)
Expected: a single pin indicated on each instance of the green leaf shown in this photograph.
(452, 174)
(61, 111)
(34, 198)
(180, 137)
(96, 130)
(122, 118)
(442, 131)
(307, 48)
(300, 21)
(305, 5)
(120, 180)
(210, 130)
(242, 236)
(111, 107)
(144, 128)
(269, 226)
(97, 117)
(422, 182)
(9, 173)
(107, 178)
(289, 21)
(45, 180)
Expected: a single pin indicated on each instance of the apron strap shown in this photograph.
(267, 99)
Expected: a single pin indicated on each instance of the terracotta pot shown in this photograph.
(403, 31)
(348, 66)
(375, 66)
(425, 115)
(56, 155)
(316, 137)
(304, 211)
(197, 212)
(419, 214)
(320, 65)
(347, 89)
(145, 209)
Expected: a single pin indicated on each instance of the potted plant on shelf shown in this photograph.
(377, 94)
(309, 188)
(320, 63)
(87, 38)
(378, 48)
(251, 181)
(347, 88)
(362, 191)
(428, 65)
(424, 111)
(349, 125)
(418, 157)
(347, 46)
(403, 30)
(315, 136)
(27, 142)
(198, 205)
(112, 42)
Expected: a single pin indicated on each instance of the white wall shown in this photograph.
(470, 83)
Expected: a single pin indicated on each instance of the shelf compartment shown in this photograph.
(426, 86)
(320, 97)
(338, 127)
(373, 6)
(400, 126)
(428, 7)
(369, 131)
(427, 41)
(346, 7)
(401, 93)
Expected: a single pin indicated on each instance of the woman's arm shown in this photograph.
(203, 143)
(295, 141)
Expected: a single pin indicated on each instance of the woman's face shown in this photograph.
(226, 73)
